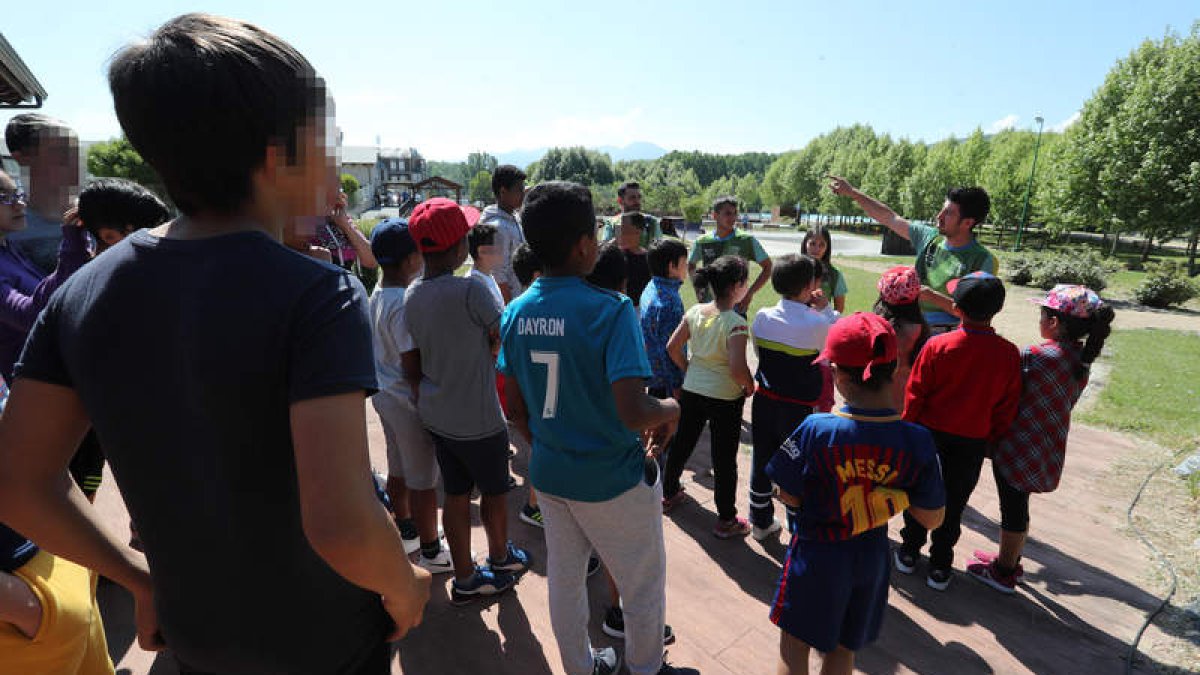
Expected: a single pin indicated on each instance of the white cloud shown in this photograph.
(1007, 122)
(1063, 125)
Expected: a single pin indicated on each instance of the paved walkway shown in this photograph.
(1083, 599)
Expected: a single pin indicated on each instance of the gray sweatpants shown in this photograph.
(626, 532)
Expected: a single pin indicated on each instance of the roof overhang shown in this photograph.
(18, 87)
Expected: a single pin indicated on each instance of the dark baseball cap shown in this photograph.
(979, 295)
(391, 241)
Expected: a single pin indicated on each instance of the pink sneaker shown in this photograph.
(728, 529)
(989, 558)
(988, 574)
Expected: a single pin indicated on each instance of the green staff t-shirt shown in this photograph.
(938, 263)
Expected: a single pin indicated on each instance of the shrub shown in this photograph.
(1018, 269)
(1080, 266)
(1166, 284)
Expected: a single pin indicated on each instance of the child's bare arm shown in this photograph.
(739, 369)
(676, 344)
(518, 414)
(19, 605)
(640, 412)
(930, 519)
(410, 363)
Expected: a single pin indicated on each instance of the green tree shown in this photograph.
(925, 189)
(117, 158)
(455, 171)
(747, 192)
(350, 185)
(480, 161)
(480, 188)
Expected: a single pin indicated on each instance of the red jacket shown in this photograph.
(966, 382)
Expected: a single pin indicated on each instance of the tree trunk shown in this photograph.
(1192, 245)
(1146, 248)
(1115, 243)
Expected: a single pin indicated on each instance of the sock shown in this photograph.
(431, 549)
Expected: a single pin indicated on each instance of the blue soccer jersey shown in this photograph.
(854, 469)
(565, 342)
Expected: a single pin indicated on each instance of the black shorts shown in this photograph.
(481, 462)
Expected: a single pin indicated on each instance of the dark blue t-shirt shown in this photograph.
(855, 469)
(187, 355)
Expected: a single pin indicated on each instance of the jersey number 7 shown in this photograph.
(550, 360)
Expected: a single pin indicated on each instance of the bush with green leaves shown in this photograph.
(1080, 266)
(1018, 269)
(1166, 284)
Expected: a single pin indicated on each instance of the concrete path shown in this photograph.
(1082, 601)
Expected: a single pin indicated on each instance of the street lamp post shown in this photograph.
(1029, 188)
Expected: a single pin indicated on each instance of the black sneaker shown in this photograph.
(905, 562)
(614, 626)
(408, 532)
(939, 578)
(668, 669)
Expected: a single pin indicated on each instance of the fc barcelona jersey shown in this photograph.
(854, 469)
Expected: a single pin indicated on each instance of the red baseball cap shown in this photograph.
(860, 341)
(439, 223)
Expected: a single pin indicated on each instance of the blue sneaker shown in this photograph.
(516, 562)
(484, 583)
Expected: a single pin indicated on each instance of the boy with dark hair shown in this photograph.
(637, 264)
(661, 310)
(610, 271)
(485, 256)
(454, 326)
(728, 240)
(412, 466)
(848, 473)
(787, 338)
(276, 468)
(964, 388)
(508, 185)
(526, 265)
(574, 357)
(113, 208)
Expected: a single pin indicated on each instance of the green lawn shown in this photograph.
(1153, 389)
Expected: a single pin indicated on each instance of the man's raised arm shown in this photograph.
(876, 209)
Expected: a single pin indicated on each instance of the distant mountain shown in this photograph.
(636, 150)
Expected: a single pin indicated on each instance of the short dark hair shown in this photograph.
(483, 234)
(792, 273)
(663, 253)
(525, 264)
(973, 202)
(722, 274)
(24, 131)
(727, 200)
(881, 375)
(628, 185)
(119, 204)
(506, 176)
(556, 215)
(204, 97)
(611, 271)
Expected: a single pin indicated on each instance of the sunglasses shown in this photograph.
(11, 198)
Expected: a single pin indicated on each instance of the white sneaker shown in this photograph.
(605, 661)
(439, 563)
(760, 533)
(411, 546)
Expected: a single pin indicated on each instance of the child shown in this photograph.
(964, 388)
(727, 240)
(610, 271)
(453, 323)
(848, 473)
(633, 226)
(574, 357)
(1029, 456)
(818, 243)
(113, 208)
(715, 386)
(899, 290)
(412, 465)
(485, 259)
(788, 338)
(661, 310)
(275, 467)
(526, 265)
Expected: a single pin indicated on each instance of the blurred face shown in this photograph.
(107, 237)
(816, 247)
(950, 222)
(488, 256)
(632, 201)
(1048, 326)
(299, 195)
(630, 237)
(54, 162)
(12, 209)
(678, 269)
(726, 217)
(510, 199)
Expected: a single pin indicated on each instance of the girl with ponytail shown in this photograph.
(1074, 322)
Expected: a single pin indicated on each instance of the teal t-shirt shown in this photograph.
(565, 342)
(938, 263)
(833, 284)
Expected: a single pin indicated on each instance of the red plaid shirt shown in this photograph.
(1030, 455)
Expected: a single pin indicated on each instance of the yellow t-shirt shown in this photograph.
(70, 639)
(708, 347)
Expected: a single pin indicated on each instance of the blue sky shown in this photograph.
(449, 78)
